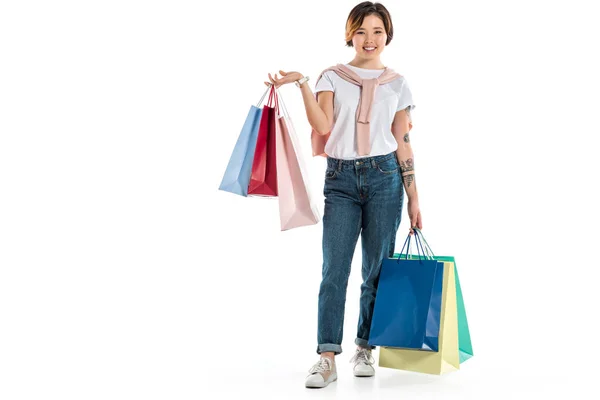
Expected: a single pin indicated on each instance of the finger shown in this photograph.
(275, 81)
(282, 73)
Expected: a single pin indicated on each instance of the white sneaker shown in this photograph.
(321, 374)
(363, 362)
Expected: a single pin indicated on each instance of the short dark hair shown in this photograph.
(358, 14)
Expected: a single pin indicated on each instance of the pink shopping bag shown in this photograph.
(296, 206)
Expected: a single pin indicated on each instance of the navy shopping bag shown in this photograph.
(239, 169)
(408, 302)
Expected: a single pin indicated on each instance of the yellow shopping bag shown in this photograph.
(447, 357)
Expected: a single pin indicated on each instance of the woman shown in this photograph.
(364, 179)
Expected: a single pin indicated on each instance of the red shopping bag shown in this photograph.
(263, 181)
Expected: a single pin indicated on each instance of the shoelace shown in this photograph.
(323, 365)
(363, 355)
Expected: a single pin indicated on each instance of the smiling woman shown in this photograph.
(359, 115)
(354, 24)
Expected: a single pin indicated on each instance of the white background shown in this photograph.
(126, 274)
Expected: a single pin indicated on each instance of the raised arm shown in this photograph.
(319, 114)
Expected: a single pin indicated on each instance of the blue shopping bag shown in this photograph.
(408, 302)
(238, 171)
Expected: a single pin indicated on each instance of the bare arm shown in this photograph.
(400, 129)
(319, 113)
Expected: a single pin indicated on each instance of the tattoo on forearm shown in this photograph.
(406, 139)
(406, 166)
(408, 171)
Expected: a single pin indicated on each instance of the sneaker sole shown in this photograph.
(364, 374)
(322, 385)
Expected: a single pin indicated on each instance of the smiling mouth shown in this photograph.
(369, 48)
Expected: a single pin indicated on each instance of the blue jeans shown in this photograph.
(362, 196)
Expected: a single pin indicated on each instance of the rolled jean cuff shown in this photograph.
(326, 347)
(363, 343)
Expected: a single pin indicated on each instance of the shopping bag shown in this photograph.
(296, 205)
(446, 358)
(263, 179)
(408, 302)
(237, 174)
(455, 341)
(465, 346)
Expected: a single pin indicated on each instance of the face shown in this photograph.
(370, 35)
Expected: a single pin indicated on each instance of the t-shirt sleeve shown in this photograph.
(405, 98)
(324, 84)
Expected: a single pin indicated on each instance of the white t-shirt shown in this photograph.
(389, 98)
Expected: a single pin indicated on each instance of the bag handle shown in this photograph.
(263, 97)
(283, 108)
(272, 102)
(271, 94)
(426, 254)
(418, 243)
(422, 237)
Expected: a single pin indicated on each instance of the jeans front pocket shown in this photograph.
(330, 173)
(388, 166)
